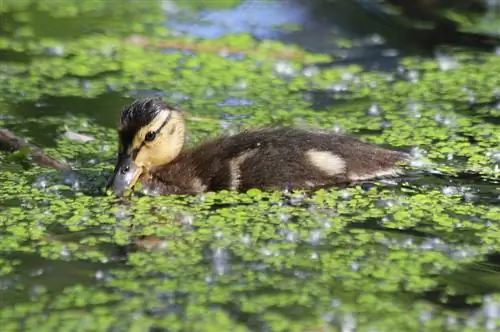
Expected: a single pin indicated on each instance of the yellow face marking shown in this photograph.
(167, 143)
(327, 162)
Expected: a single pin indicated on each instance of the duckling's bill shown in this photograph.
(125, 176)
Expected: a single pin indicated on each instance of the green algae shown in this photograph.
(384, 257)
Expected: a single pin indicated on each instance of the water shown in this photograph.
(415, 253)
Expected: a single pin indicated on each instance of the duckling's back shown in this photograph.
(277, 159)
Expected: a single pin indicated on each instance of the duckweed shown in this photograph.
(419, 253)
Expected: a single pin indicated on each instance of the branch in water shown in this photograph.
(9, 141)
(287, 54)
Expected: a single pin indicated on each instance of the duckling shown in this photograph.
(151, 140)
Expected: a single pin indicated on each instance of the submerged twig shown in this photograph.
(9, 141)
(285, 54)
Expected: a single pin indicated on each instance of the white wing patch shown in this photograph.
(234, 167)
(388, 172)
(327, 162)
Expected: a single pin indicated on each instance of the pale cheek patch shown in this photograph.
(235, 168)
(327, 162)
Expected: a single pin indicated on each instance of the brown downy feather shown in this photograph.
(273, 159)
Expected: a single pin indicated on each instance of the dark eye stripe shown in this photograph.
(153, 134)
(135, 152)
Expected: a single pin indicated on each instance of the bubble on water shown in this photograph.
(284, 68)
(37, 272)
(266, 252)
(284, 217)
(451, 321)
(86, 84)
(314, 236)
(415, 109)
(290, 235)
(100, 275)
(374, 110)
(122, 212)
(209, 279)
(310, 71)
(56, 50)
(413, 75)
(345, 195)
(418, 157)
(65, 252)
(494, 155)
(338, 87)
(348, 322)
(40, 182)
(446, 62)
(235, 102)
(461, 253)
(209, 92)
(445, 120)
(491, 307)
(450, 190)
(246, 239)
(37, 290)
(376, 39)
(187, 219)
(178, 97)
(425, 316)
(297, 199)
(391, 52)
(241, 84)
(384, 203)
(431, 244)
(71, 179)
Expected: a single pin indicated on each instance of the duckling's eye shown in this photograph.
(150, 136)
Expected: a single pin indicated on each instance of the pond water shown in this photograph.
(420, 253)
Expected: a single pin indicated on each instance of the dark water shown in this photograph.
(152, 287)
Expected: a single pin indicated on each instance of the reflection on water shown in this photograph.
(262, 19)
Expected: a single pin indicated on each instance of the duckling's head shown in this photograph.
(151, 133)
